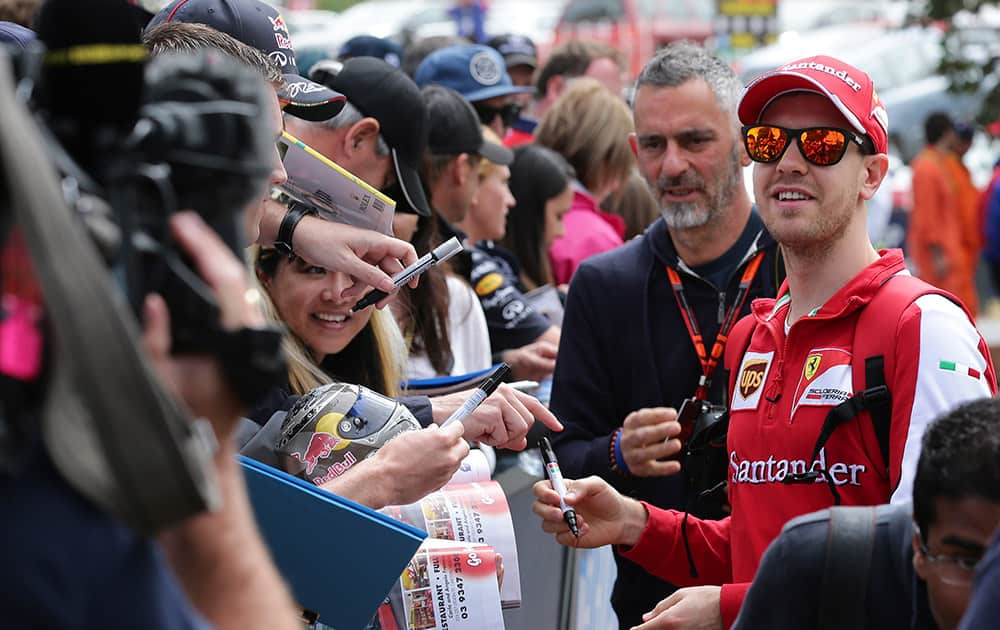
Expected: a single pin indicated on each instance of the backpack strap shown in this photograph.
(880, 409)
(847, 567)
(877, 350)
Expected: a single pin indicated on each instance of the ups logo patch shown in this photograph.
(752, 376)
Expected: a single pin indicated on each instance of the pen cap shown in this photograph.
(447, 249)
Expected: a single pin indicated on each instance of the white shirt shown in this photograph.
(470, 338)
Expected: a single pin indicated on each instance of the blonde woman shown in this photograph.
(589, 127)
(325, 341)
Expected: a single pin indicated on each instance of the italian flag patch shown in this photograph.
(961, 368)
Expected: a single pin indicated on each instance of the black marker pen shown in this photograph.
(441, 253)
(555, 477)
(487, 387)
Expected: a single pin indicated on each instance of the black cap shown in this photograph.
(516, 50)
(371, 46)
(455, 127)
(383, 92)
(261, 26)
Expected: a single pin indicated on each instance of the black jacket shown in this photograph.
(624, 347)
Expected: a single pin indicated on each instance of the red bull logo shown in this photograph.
(278, 23)
(282, 41)
(320, 447)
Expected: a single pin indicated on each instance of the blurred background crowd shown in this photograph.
(926, 56)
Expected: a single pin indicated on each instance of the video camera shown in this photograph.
(198, 144)
(131, 143)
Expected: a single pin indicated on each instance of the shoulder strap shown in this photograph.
(875, 347)
(846, 569)
(875, 350)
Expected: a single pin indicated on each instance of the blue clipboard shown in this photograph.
(340, 558)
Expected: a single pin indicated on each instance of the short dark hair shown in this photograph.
(572, 60)
(936, 125)
(190, 37)
(960, 458)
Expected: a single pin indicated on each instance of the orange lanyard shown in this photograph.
(710, 361)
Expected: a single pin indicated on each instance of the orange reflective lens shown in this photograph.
(823, 146)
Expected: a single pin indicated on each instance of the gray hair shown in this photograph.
(347, 117)
(683, 61)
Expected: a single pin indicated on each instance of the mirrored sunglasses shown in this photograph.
(822, 146)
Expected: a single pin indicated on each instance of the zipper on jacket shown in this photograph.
(722, 308)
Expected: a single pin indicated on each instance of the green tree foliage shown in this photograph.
(967, 73)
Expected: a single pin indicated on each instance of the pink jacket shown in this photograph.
(589, 231)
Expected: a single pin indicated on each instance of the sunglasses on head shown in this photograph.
(822, 146)
(508, 113)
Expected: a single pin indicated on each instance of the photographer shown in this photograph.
(70, 564)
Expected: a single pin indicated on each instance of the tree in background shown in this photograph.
(968, 73)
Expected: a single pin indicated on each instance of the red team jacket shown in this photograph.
(782, 388)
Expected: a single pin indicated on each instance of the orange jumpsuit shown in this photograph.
(939, 219)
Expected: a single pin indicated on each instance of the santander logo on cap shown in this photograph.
(843, 75)
(850, 89)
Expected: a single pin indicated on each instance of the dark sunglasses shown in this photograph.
(822, 146)
(508, 113)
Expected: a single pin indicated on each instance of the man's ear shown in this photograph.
(744, 156)
(364, 131)
(919, 561)
(633, 141)
(460, 169)
(875, 169)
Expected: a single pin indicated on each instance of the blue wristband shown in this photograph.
(619, 459)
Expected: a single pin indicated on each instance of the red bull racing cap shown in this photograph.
(261, 26)
(851, 91)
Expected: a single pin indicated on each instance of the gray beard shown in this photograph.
(686, 215)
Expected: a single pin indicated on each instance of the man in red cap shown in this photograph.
(848, 327)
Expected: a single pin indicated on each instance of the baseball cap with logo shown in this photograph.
(379, 90)
(261, 26)
(851, 91)
(455, 127)
(516, 50)
(476, 72)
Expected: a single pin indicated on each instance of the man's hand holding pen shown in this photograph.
(603, 516)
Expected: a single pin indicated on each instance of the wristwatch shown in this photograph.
(296, 212)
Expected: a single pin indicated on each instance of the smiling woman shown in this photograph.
(324, 339)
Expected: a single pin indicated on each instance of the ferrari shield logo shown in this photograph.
(812, 364)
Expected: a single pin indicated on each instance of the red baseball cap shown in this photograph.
(851, 90)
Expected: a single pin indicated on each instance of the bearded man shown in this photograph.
(642, 326)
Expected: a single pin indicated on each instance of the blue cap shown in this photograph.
(15, 35)
(371, 46)
(476, 72)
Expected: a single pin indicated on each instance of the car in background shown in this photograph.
(903, 62)
(535, 19)
(635, 27)
(799, 16)
(310, 28)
